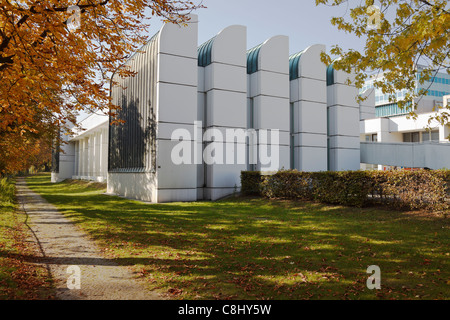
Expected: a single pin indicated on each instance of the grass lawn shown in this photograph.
(19, 279)
(253, 248)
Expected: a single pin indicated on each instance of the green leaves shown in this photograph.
(410, 34)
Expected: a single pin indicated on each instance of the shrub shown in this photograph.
(251, 182)
(349, 188)
(421, 189)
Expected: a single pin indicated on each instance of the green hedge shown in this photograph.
(421, 189)
(251, 182)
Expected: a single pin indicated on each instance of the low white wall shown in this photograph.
(410, 155)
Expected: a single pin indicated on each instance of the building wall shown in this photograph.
(391, 129)
(90, 143)
(409, 155)
(132, 144)
(343, 119)
(222, 107)
(308, 97)
(437, 87)
(395, 151)
(268, 94)
(168, 69)
(66, 158)
(367, 106)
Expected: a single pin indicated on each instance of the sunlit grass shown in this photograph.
(253, 248)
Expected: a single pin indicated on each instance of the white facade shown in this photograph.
(222, 105)
(308, 97)
(343, 113)
(268, 101)
(165, 95)
(85, 153)
(424, 140)
(436, 87)
(196, 116)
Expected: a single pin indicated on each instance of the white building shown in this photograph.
(197, 115)
(403, 141)
(398, 140)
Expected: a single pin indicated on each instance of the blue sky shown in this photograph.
(301, 20)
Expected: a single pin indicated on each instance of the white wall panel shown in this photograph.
(177, 103)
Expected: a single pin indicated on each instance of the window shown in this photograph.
(430, 135)
(411, 137)
(435, 135)
(407, 137)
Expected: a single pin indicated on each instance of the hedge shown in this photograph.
(421, 189)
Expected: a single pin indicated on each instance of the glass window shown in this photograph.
(407, 137)
(375, 137)
(435, 135)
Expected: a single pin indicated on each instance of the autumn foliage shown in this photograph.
(56, 60)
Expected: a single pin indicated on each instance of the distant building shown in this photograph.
(436, 87)
(427, 142)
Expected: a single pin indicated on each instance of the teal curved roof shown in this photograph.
(294, 60)
(330, 75)
(252, 59)
(205, 53)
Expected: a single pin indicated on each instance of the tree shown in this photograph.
(406, 40)
(57, 57)
(20, 152)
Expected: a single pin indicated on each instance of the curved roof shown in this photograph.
(330, 75)
(252, 59)
(294, 60)
(205, 53)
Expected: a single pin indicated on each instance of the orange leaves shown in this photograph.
(20, 151)
(49, 72)
(43, 63)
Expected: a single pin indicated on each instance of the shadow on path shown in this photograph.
(62, 244)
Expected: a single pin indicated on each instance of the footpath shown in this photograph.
(77, 266)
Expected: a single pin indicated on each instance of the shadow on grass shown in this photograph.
(258, 248)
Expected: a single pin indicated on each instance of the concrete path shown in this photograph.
(63, 245)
